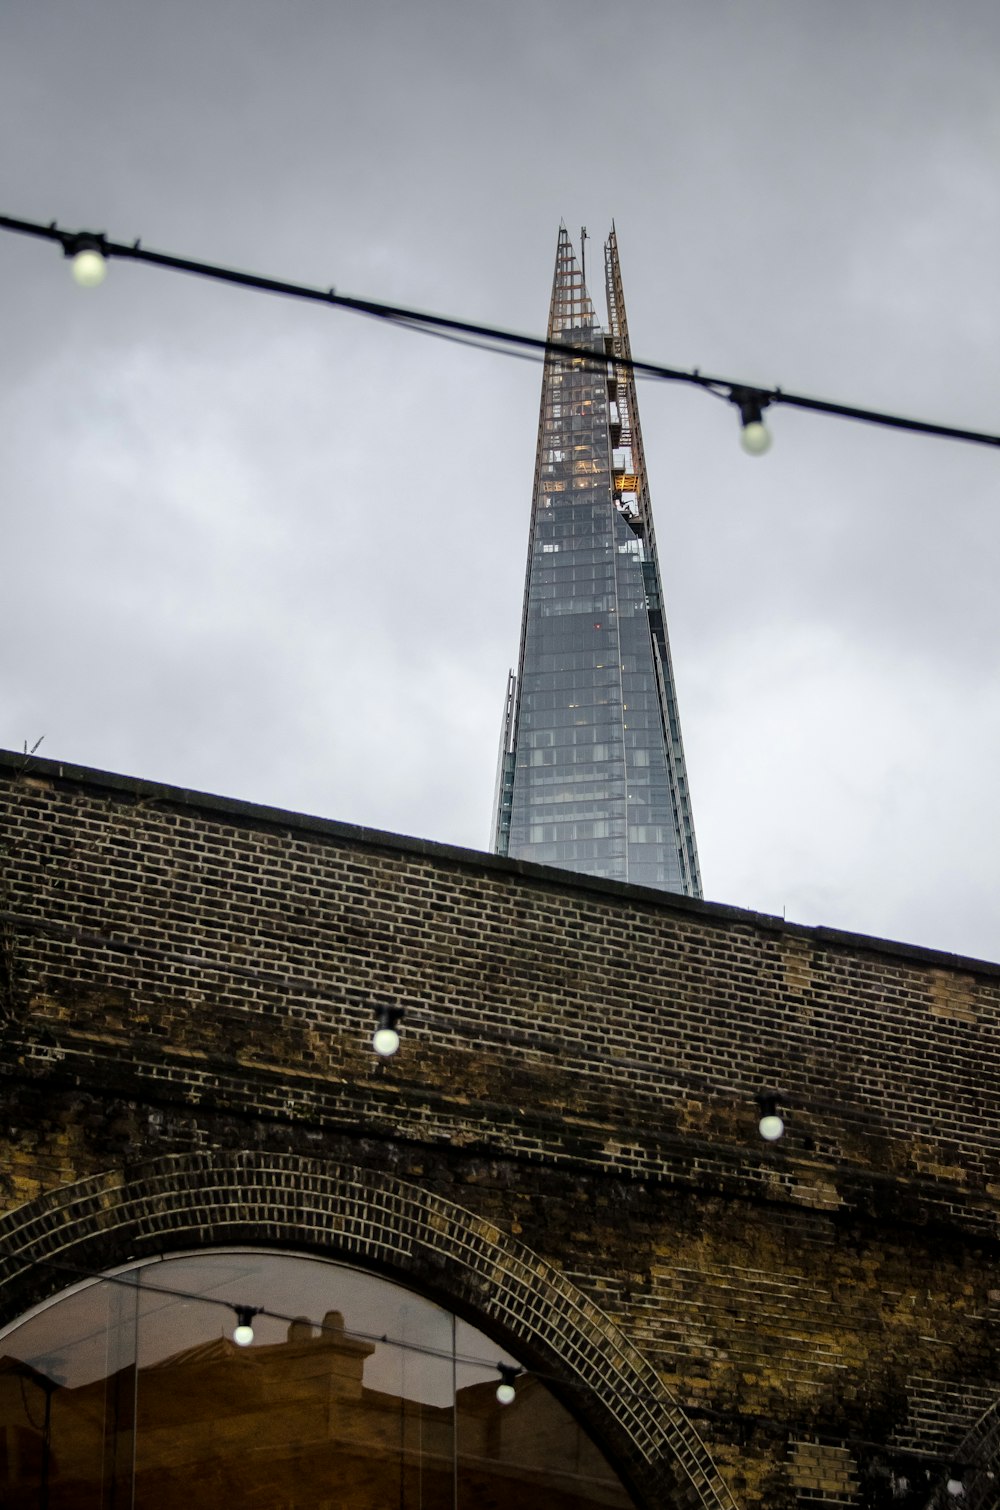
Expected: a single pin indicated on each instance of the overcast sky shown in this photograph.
(277, 552)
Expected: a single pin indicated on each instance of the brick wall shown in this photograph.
(183, 976)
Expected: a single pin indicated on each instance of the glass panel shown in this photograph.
(530, 1454)
(131, 1391)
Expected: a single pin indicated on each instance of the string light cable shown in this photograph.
(90, 253)
(243, 1333)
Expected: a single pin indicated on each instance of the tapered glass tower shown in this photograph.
(592, 774)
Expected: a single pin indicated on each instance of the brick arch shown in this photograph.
(347, 1212)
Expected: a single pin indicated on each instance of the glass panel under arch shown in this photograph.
(129, 1393)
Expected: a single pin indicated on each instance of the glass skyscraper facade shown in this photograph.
(591, 775)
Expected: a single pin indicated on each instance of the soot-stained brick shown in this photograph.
(578, 1071)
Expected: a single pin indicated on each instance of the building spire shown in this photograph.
(591, 774)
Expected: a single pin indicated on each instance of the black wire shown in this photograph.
(473, 343)
(500, 339)
(138, 1284)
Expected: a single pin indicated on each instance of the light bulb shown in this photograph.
(771, 1127)
(385, 1041)
(755, 438)
(506, 1393)
(90, 268)
(956, 1489)
(243, 1330)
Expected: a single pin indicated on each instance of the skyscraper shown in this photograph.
(591, 775)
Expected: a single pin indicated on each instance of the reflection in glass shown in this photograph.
(118, 1395)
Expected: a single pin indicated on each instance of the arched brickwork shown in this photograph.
(579, 1067)
(211, 1199)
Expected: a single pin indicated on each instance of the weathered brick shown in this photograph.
(192, 981)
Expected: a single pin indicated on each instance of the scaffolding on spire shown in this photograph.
(591, 775)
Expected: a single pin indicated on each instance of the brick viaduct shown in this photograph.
(565, 1148)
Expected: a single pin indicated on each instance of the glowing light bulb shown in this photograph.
(385, 1041)
(243, 1330)
(770, 1126)
(506, 1393)
(755, 438)
(90, 267)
